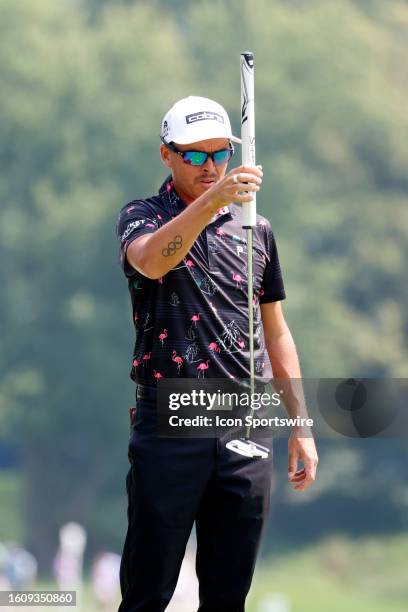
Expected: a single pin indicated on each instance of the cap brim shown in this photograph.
(235, 139)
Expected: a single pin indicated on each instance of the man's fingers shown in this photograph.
(246, 187)
(243, 197)
(252, 170)
(245, 178)
(310, 467)
(308, 478)
(303, 485)
(292, 464)
(299, 475)
(297, 479)
(303, 450)
(300, 471)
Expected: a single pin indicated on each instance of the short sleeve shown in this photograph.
(134, 220)
(272, 288)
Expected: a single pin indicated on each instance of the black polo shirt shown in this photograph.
(193, 322)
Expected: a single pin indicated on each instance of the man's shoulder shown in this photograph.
(263, 222)
(148, 211)
(145, 204)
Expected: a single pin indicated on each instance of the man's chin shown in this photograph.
(197, 190)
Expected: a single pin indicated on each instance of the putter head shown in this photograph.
(247, 448)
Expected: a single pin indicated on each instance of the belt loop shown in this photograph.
(132, 415)
(145, 391)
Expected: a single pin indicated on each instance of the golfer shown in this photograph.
(183, 252)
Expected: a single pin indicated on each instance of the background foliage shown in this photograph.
(84, 85)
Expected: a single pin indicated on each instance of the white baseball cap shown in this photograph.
(195, 118)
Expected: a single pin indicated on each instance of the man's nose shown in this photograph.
(209, 165)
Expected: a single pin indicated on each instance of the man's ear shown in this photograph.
(165, 156)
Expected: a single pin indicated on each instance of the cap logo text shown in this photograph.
(165, 130)
(203, 116)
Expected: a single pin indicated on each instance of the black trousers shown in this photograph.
(172, 483)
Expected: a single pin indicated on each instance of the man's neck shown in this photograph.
(184, 197)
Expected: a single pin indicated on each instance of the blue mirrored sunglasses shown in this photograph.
(198, 158)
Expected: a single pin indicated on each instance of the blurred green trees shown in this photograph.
(84, 86)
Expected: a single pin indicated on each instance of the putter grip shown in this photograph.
(248, 129)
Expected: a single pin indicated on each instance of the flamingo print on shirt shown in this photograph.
(202, 292)
(146, 357)
(202, 367)
(213, 346)
(163, 336)
(238, 279)
(178, 360)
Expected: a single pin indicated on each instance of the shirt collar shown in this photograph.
(175, 204)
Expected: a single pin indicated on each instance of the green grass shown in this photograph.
(336, 575)
(361, 575)
(367, 574)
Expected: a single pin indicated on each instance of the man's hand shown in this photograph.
(302, 449)
(236, 186)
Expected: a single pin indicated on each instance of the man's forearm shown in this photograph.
(285, 366)
(156, 254)
(166, 247)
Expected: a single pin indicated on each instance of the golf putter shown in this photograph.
(245, 446)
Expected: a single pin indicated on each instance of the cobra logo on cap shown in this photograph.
(203, 116)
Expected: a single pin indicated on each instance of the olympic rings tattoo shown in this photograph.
(173, 246)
